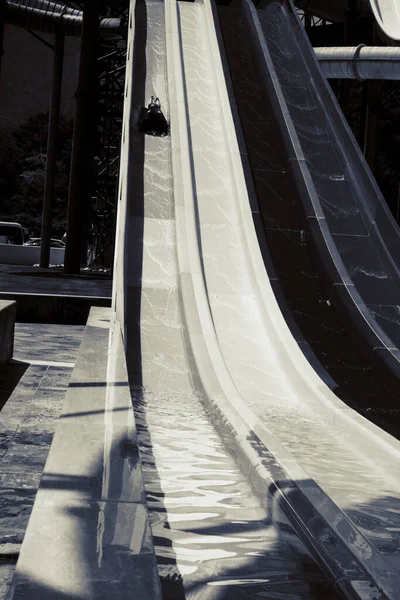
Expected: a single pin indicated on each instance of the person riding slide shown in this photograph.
(152, 120)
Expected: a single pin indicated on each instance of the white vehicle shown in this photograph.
(12, 233)
(17, 249)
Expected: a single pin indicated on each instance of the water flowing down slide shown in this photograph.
(203, 328)
(213, 537)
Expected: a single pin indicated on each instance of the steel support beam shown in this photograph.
(50, 17)
(2, 23)
(372, 125)
(84, 140)
(397, 215)
(349, 39)
(51, 157)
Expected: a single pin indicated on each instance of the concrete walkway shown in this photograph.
(43, 359)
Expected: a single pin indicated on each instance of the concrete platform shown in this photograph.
(89, 533)
(32, 392)
(50, 296)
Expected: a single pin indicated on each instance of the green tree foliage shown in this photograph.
(22, 168)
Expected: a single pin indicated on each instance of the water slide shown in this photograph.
(387, 16)
(354, 234)
(207, 346)
(223, 393)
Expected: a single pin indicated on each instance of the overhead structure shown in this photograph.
(111, 75)
(98, 127)
(386, 13)
(330, 10)
(49, 17)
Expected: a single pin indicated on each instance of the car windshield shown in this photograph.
(13, 234)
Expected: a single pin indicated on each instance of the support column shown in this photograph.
(373, 115)
(371, 139)
(54, 119)
(363, 115)
(2, 23)
(81, 175)
(398, 206)
(345, 85)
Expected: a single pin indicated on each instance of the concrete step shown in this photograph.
(89, 534)
(27, 424)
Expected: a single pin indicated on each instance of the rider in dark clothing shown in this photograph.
(152, 119)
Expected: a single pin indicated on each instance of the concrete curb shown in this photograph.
(89, 533)
(338, 544)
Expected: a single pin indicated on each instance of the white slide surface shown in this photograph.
(209, 324)
(387, 15)
(242, 347)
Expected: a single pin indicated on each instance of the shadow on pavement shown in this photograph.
(10, 375)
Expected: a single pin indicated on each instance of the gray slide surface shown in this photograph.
(356, 238)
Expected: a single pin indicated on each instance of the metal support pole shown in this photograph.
(2, 22)
(372, 122)
(349, 32)
(81, 174)
(363, 114)
(371, 140)
(398, 206)
(54, 119)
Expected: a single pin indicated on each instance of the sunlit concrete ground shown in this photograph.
(32, 394)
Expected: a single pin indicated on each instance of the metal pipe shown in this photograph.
(372, 129)
(50, 17)
(362, 62)
(50, 6)
(54, 119)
